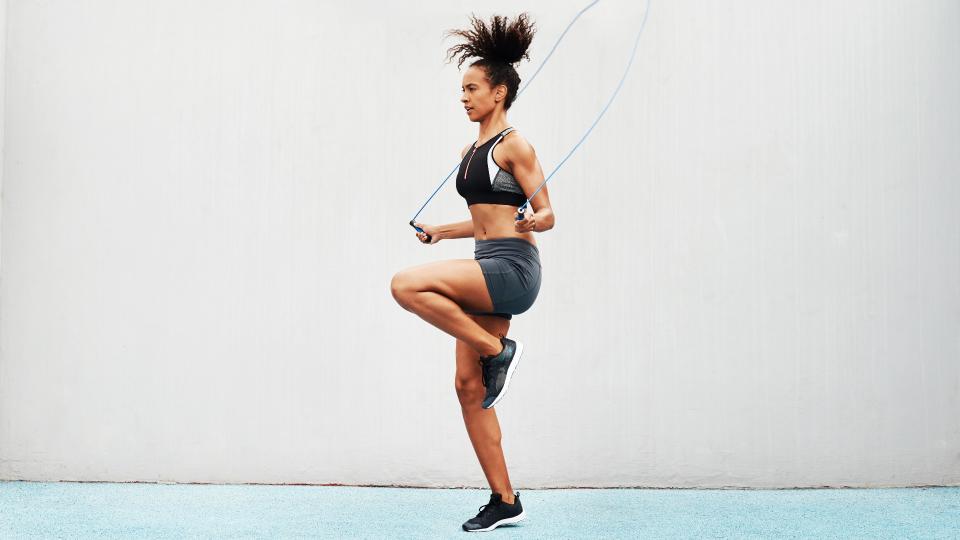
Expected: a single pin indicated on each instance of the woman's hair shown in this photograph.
(499, 46)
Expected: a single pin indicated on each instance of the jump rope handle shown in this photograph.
(520, 212)
(420, 230)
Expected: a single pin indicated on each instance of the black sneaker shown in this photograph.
(496, 513)
(497, 371)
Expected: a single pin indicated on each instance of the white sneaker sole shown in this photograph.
(513, 366)
(504, 521)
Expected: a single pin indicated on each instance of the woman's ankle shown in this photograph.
(497, 349)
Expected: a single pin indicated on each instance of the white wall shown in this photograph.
(3, 55)
(754, 279)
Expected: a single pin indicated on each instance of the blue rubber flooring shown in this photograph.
(137, 510)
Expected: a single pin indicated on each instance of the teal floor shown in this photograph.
(124, 510)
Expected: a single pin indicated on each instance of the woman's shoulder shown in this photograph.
(516, 147)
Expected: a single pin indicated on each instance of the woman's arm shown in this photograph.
(542, 219)
(525, 167)
(460, 229)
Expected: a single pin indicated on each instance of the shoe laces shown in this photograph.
(487, 365)
(487, 508)
(484, 368)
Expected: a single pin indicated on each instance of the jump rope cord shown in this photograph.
(627, 70)
(620, 84)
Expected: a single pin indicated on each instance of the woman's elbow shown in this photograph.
(549, 220)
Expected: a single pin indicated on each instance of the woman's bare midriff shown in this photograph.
(492, 221)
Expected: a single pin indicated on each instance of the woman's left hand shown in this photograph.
(527, 224)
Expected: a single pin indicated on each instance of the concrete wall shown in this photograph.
(754, 279)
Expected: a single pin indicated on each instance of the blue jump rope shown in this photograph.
(523, 207)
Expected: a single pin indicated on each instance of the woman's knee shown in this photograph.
(403, 288)
(469, 389)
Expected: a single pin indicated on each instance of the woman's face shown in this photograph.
(478, 96)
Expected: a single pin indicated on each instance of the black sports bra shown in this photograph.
(481, 180)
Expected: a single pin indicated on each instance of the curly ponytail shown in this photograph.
(498, 46)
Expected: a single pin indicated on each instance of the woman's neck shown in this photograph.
(491, 126)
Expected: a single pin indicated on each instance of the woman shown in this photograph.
(473, 300)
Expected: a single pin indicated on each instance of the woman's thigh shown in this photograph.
(468, 359)
(460, 280)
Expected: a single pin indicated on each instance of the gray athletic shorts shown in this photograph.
(511, 268)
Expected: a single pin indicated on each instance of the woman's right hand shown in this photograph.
(427, 230)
